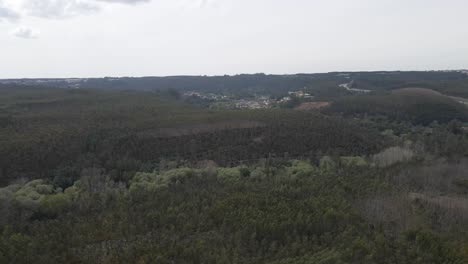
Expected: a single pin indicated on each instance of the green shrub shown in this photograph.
(353, 161)
(44, 189)
(55, 204)
(229, 174)
(300, 169)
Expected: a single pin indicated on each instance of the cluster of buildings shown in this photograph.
(260, 103)
(208, 96)
(295, 94)
(301, 94)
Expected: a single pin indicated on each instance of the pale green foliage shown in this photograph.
(29, 195)
(143, 182)
(34, 183)
(300, 169)
(44, 189)
(11, 188)
(53, 204)
(176, 175)
(34, 196)
(353, 161)
(327, 163)
(229, 174)
(72, 192)
(388, 132)
(154, 181)
(258, 173)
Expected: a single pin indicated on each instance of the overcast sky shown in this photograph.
(94, 38)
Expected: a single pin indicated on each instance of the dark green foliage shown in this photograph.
(417, 108)
(53, 133)
(451, 83)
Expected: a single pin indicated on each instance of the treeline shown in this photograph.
(245, 85)
(451, 83)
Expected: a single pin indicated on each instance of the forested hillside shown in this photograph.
(45, 132)
(418, 106)
(121, 176)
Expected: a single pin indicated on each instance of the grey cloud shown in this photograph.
(131, 2)
(25, 32)
(55, 8)
(7, 13)
(59, 8)
(68, 8)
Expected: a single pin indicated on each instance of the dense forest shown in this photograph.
(54, 130)
(415, 105)
(105, 174)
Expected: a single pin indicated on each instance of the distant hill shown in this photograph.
(416, 105)
(238, 84)
(320, 84)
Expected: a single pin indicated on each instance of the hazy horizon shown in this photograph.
(220, 75)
